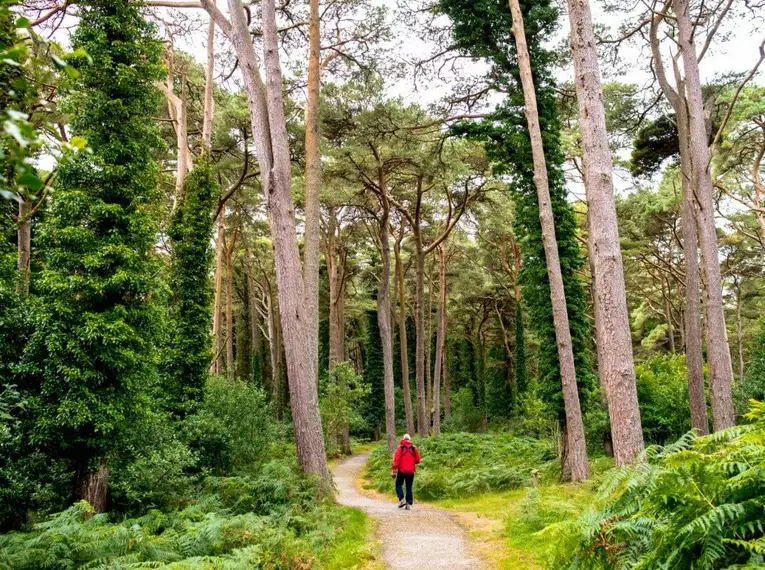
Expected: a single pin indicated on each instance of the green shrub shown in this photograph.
(343, 397)
(455, 465)
(662, 386)
(466, 416)
(695, 504)
(233, 429)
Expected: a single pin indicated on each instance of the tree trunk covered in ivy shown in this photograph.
(24, 237)
(96, 348)
(191, 261)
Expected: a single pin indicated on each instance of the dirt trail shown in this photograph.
(421, 539)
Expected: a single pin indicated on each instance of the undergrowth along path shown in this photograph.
(424, 537)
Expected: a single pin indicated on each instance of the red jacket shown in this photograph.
(406, 458)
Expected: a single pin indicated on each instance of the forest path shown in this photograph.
(422, 538)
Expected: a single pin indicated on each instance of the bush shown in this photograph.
(233, 430)
(343, 397)
(466, 416)
(662, 386)
(697, 503)
(455, 465)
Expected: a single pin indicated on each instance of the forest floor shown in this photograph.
(424, 537)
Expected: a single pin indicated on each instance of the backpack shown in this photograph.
(408, 449)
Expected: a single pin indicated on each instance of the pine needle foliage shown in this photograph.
(460, 464)
(696, 504)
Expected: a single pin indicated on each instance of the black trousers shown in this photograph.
(402, 478)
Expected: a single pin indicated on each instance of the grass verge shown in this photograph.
(355, 547)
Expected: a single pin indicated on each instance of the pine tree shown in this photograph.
(95, 328)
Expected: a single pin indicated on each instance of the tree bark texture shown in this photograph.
(24, 238)
(209, 103)
(336, 269)
(272, 150)
(577, 449)
(440, 337)
(384, 314)
(693, 337)
(692, 332)
(230, 364)
(615, 359)
(429, 347)
(718, 350)
(311, 252)
(404, 352)
(95, 487)
(419, 353)
(215, 366)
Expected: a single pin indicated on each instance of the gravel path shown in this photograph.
(421, 539)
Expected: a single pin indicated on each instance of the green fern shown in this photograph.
(696, 504)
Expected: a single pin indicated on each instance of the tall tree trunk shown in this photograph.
(253, 311)
(272, 149)
(404, 353)
(311, 253)
(718, 351)
(230, 364)
(419, 324)
(692, 332)
(275, 351)
(668, 311)
(615, 359)
(336, 267)
(577, 448)
(447, 384)
(24, 237)
(739, 335)
(209, 102)
(215, 366)
(384, 312)
(440, 335)
(429, 347)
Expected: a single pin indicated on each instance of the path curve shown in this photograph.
(421, 539)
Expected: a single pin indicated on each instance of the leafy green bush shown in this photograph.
(343, 395)
(454, 465)
(466, 416)
(697, 503)
(662, 386)
(233, 429)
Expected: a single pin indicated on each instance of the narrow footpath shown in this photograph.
(423, 538)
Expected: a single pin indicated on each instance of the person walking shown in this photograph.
(405, 462)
